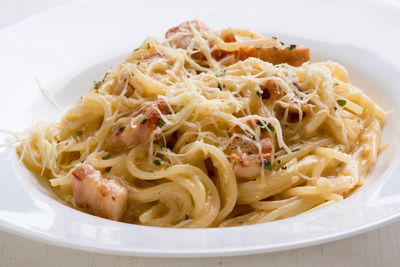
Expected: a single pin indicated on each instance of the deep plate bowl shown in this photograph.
(68, 47)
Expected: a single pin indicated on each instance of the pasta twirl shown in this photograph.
(210, 128)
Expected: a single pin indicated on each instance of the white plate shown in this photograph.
(69, 47)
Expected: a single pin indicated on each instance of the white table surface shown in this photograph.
(380, 247)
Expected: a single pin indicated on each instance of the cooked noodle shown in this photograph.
(202, 131)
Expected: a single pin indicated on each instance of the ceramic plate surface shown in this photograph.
(67, 48)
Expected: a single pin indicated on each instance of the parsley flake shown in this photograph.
(279, 162)
(335, 108)
(341, 102)
(268, 165)
(295, 150)
(250, 153)
(273, 37)
(220, 73)
(220, 86)
(234, 164)
(157, 162)
(143, 120)
(233, 147)
(121, 129)
(291, 47)
(79, 133)
(160, 122)
(259, 46)
(284, 168)
(258, 93)
(282, 43)
(271, 127)
(106, 156)
(186, 217)
(97, 84)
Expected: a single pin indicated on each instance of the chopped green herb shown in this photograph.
(220, 73)
(271, 127)
(268, 165)
(341, 102)
(260, 123)
(97, 84)
(160, 122)
(273, 37)
(234, 164)
(335, 108)
(58, 141)
(258, 93)
(240, 130)
(186, 217)
(157, 162)
(284, 168)
(220, 86)
(358, 120)
(250, 153)
(254, 179)
(143, 120)
(275, 109)
(105, 76)
(106, 156)
(138, 63)
(169, 66)
(132, 73)
(161, 145)
(291, 47)
(282, 43)
(295, 150)
(121, 129)
(335, 84)
(79, 133)
(233, 147)
(259, 46)
(136, 49)
(279, 162)
(340, 148)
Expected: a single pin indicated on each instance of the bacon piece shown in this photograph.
(124, 135)
(186, 28)
(245, 156)
(271, 90)
(120, 86)
(107, 198)
(277, 55)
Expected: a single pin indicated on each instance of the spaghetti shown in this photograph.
(210, 128)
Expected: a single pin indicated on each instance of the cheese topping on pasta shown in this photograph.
(210, 129)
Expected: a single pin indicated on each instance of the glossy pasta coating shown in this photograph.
(210, 129)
